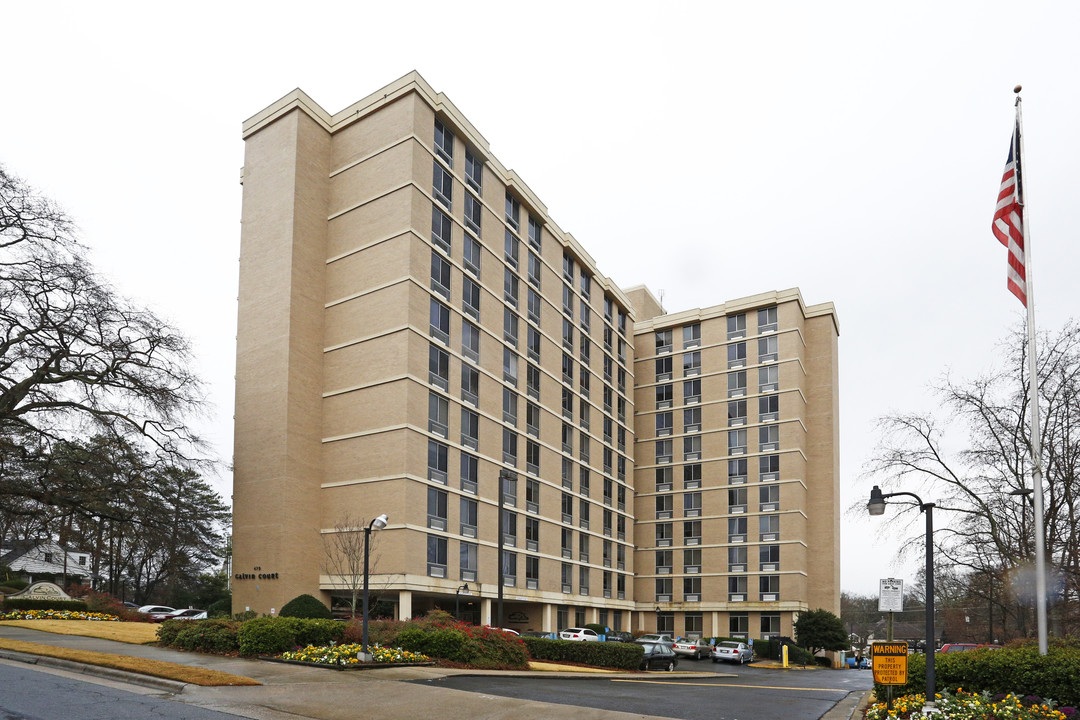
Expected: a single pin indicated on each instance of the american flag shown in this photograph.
(1009, 219)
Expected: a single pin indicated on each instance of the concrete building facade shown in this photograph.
(417, 337)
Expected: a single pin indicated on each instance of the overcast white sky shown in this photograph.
(853, 150)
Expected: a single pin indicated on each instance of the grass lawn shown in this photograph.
(135, 633)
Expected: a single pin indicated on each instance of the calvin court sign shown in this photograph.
(889, 662)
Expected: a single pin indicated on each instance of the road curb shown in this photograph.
(171, 686)
(848, 705)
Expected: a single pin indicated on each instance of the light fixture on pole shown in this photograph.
(876, 506)
(462, 590)
(377, 524)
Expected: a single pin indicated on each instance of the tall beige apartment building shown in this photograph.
(418, 338)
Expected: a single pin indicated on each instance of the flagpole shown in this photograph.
(1033, 392)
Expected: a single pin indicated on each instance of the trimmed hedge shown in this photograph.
(466, 644)
(306, 606)
(1019, 670)
(216, 636)
(273, 635)
(34, 604)
(625, 656)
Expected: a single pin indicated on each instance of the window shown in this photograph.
(568, 369)
(736, 384)
(567, 587)
(586, 285)
(736, 471)
(583, 447)
(769, 526)
(692, 447)
(437, 461)
(691, 391)
(663, 562)
(436, 509)
(607, 338)
(509, 527)
(438, 414)
(585, 382)
(692, 561)
(510, 406)
(444, 143)
(663, 451)
(692, 420)
(509, 488)
(510, 366)
(436, 556)
(738, 625)
(664, 424)
(510, 326)
(609, 308)
(440, 275)
(607, 594)
(583, 580)
(470, 384)
(438, 367)
(766, 319)
(737, 588)
(585, 350)
(736, 557)
(769, 437)
(770, 625)
(609, 367)
(691, 504)
(663, 341)
(471, 258)
(620, 533)
(609, 487)
(442, 186)
(736, 412)
(768, 378)
(691, 335)
(470, 298)
(532, 495)
(583, 547)
(769, 408)
(767, 348)
(769, 587)
(621, 380)
(663, 396)
(509, 565)
(736, 499)
(532, 344)
(474, 171)
(568, 301)
(663, 594)
(692, 532)
(691, 476)
(567, 510)
(532, 457)
(509, 446)
(737, 530)
(692, 593)
(663, 479)
(469, 472)
(665, 506)
(469, 562)
(691, 363)
(470, 428)
(532, 572)
(440, 321)
(567, 438)
(510, 293)
(534, 307)
(534, 233)
(567, 405)
(472, 213)
(583, 510)
(769, 468)
(568, 267)
(736, 355)
(586, 318)
(513, 212)
(665, 622)
(584, 412)
(622, 323)
(534, 270)
(470, 341)
(663, 368)
(568, 335)
(769, 556)
(511, 250)
(440, 229)
(736, 326)
(736, 442)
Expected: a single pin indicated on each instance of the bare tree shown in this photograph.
(970, 456)
(344, 548)
(76, 359)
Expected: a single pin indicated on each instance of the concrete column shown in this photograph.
(404, 604)
(716, 632)
(485, 611)
(548, 619)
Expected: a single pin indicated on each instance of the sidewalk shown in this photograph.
(291, 692)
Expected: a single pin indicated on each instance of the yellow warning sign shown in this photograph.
(889, 662)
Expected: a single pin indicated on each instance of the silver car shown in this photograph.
(696, 648)
(579, 634)
(732, 651)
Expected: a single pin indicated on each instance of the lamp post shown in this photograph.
(462, 590)
(377, 524)
(876, 506)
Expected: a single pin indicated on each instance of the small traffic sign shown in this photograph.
(889, 662)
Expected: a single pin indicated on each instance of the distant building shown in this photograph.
(37, 561)
(413, 326)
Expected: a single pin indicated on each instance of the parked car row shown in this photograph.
(161, 613)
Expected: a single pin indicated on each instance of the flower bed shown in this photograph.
(974, 706)
(346, 655)
(57, 615)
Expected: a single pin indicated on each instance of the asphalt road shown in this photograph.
(754, 694)
(33, 694)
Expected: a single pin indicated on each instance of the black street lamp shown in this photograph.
(462, 590)
(377, 524)
(876, 506)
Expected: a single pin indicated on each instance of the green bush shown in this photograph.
(219, 609)
(1019, 670)
(306, 606)
(219, 636)
(445, 643)
(625, 656)
(34, 604)
(273, 635)
(14, 584)
(440, 636)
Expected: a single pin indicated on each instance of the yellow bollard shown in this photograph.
(783, 654)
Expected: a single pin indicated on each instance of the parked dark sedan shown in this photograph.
(616, 636)
(659, 656)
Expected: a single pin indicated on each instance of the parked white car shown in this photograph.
(579, 634)
(732, 652)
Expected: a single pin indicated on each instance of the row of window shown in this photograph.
(768, 501)
(768, 382)
(736, 328)
(738, 624)
(768, 441)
